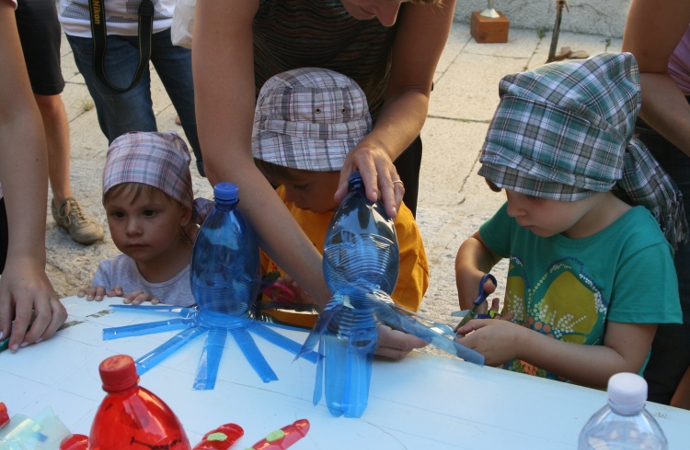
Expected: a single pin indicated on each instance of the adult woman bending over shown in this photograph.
(391, 48)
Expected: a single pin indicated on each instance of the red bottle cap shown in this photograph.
(4, 417)
(118, 373)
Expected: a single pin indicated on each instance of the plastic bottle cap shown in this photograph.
(118, 373)
(4, 417)
(627, 393)
(226, 191)
(354, 176)
(354, 181)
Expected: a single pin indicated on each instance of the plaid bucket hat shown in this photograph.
(309, 119)
(564, 131)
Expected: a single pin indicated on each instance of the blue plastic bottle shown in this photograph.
(225, 259)
(360, 257)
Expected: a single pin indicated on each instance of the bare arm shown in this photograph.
(474, 259)
(664, 106)
(421, 36)
(223, 64)
(625, 349)
(24, 286)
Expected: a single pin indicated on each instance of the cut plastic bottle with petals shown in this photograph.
(361, 262)
(225, 281)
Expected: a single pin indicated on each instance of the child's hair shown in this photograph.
(564, 131)
(309, 119)
(275, 171)
(133, 189)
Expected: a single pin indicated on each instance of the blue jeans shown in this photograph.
(670, 356)
(119, 113)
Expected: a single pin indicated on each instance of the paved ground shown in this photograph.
(453, 200)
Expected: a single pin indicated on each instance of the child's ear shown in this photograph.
(185, 217)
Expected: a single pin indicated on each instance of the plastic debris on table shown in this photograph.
(283, 438)
(20, 432)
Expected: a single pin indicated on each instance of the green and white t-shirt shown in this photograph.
(569, 288)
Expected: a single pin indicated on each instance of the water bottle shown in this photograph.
(360, 257)
(624, 423)
(225, 258)
(131, 416)
(360, 253)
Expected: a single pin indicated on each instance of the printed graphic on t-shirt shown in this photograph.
(565, 304)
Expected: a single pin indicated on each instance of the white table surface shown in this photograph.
(422, 402)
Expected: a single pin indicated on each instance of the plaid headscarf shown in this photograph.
(564, 131)
(156, 159)
(309, 119)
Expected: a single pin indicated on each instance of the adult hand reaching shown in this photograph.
(24, 287)
(26, 292)
(380, 177)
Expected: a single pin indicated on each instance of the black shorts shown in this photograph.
(40, 35)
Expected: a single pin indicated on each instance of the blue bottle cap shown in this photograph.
(226, 191)
(354, 177)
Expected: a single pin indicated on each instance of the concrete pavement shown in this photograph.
(453, 200)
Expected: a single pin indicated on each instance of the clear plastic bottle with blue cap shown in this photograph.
(225, 259)
(624, 423)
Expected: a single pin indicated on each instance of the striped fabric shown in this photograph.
(289, 34)
(309, 119)
(564, 131)
(160, 160)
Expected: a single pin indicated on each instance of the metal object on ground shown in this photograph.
(557, 29)
(490, 11)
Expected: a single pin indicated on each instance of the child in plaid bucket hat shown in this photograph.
(153, 220)
(591, 272)
(306, 122)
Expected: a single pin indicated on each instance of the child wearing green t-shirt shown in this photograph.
(588, 227)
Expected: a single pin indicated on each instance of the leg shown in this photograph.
(670, 356)
(40, 36)
(57, 135)
(408, 165)
(681, 399)
(118, 113)
(174, 67)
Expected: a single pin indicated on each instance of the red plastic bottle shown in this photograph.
(131, 416)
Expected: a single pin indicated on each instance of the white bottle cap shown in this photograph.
(627, 393)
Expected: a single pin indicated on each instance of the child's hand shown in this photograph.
(395, 344)
(301, 296)
(138, 297)
(494, 309)
(92, 293)
(98, 292)
(498, 340)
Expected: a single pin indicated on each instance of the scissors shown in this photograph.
(277, 291)
(481, 298)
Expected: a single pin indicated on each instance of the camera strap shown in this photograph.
(98, 31)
